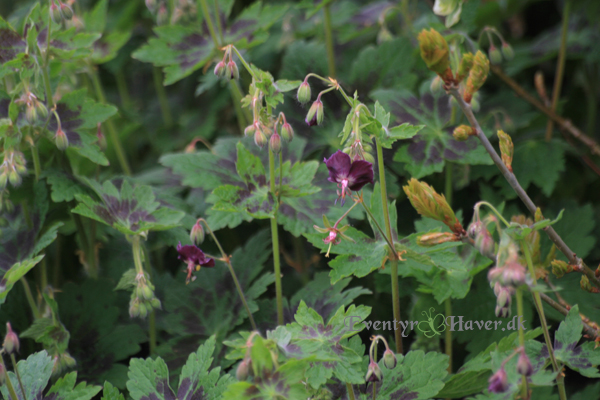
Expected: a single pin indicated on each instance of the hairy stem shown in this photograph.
(448, 301)
(329, 40)
(394, 256)
(560, 65)
(34, 308)
(350, 391)
(123, 90)
(514, 183)
(152, 331)
(275, 241)
(540, 309)
(114, 137)
(136, 248)
(227, 260)
(521, 338)
(14, 363)
(36, 162)
(162, 97)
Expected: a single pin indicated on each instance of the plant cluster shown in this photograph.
(135, 265)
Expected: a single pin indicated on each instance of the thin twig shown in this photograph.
(563, 122)
(577, 262)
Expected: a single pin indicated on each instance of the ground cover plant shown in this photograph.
(327, 199)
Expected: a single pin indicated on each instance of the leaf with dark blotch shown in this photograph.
(327, 343)
(90, 312)
(149, 379)
(68, 44)
(130, 210)
(426, 152)
(11, 43)
(35, 373)
(183, 50)
(584, 358)
(210, 304)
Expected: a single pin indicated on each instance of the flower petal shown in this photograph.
(361, 173)
(339, 166)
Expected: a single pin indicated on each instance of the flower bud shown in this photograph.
(30, 113)
(62, 142)
(3, 179)
(389, 359)
(260, 139)
(155, 303)
(477, 75)
(134, 308)
(431, 239)
(507, 51)
(384, 35)
(502, 312)
(495, 55)
(369, 158)
(163, 16)
(220, 69)
(436, 85)
(315, 113)
(11, 340)
(462, 132)
(143, 310)
(560, 268)
(506, 149)
(373, 373)
(66, 11)
(304, 92)
(503, 299)
(14, 178)
(232, 71)
(498, 383)
(242, 370)
(147, 293)
(275, 143)
(524, 366)
(55, 13)
(287, 133)
(484, 243)
(197, 234)
(435, 53)
(466, 63)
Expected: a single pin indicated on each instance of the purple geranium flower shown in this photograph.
(349, 175)
(194, 258)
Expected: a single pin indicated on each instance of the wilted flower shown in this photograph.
(194, 258)
(498, 383)
(232, 71)
(373, 373)
(349, 175)
(197, 233)
(315, 113)
(503, 300)
(524, 366)
(335, 234)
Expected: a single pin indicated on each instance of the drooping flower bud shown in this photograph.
(30, 113)
(275, 143)
(163, 15)
(197, 234)
(384, 35)
(315, 113)
(495, 55)
(287, 132)
(507, 51)
(373, 373)
(62, 142)
(220, 69)
(242, 370)
(524, 366)
(477, 75)
(431, 239)
(462, 132)
(484, 243)
(498, 383)
(260, 139)
(55, 13)
(11, 340)
(66, 11)
(232, 71)
(506, 149)
(436, 85)
(303, 94)
(435, 53)
(14, 178)
(389, 359)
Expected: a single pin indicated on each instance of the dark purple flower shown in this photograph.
(498, 382)
(349, 175)
(194, 258)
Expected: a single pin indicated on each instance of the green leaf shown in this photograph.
(149, 379)
(584, 358)
(417, 376)
(14, 273)
(63, 187)
(65, 389)
(111, 393)
(35, 373)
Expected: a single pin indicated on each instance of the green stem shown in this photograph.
(406, 15)
(376, 224)
(375, 359)
(122, 88)
(521, 338)
(11, 389)
(227, 260)
(91, 259)
(242, 114)
(36, 162)
(211, 27)
(218, 19)
(540, 309)
(136, 248)
(162, 97)
(394, 256)
(44, 273)
(14, 363)
(275, 240)
(114, 137)
(560, 66)
(448, 301)
(491, 207)
(152, 331)
(350, 391)
(329, 40)
(34, 308)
